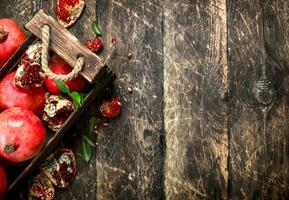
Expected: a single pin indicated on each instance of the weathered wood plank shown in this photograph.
(195, 66)
(258, 63)
(130, 154)
(19, 10)
(245, 45)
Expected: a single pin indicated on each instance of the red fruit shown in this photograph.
(29, 73)
(129, 56)
(29, 76)
(110, 109)
(59, 66)
(22, 134)
(68, 11)
(3, 182)
(94, 45)
(41, 187)
(56, 111)
(11, 37)
(60, 167)
(12, 96)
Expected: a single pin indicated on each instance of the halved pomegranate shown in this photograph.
(22, 134)
(56, 111)
(41, 187)
(68, 11)
(60, 167)
(11, 37)
(110, 108)
(3, 183)
(29, 73)
(12, 96)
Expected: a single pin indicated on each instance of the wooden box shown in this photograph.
(69, 48)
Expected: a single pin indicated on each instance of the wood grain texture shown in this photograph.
(258, 50)
(179, 77)
(195, 114)
(130, 154)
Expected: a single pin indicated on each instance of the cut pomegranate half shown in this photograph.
(41, 188)
(68, 11)
(29, 73)
(56, 111)
(60, 167)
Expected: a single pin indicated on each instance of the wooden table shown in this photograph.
(208, 115)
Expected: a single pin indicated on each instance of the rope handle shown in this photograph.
(44, 60)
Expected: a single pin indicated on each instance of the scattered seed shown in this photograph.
(129, 90)
(113, 40)
(129, 56)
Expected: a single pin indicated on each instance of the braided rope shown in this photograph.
(44, 60)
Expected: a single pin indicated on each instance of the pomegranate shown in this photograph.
(41, 187)
(111, 108)
(12, 96)
(56, 111)
(68, 11)
(94, 45)
(59, 66)
(22, 134)
(3, 182)
(11, 37)
(60, 167)
(29, 73)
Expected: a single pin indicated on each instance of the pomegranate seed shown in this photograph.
(129, 56)
(95, 45)
(114, 41)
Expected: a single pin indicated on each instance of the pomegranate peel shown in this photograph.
(3, 182)
(29, 73)
(60, 167)
(11, 37)
(18, 146)
(13, 96)
(56, 110)
(41, 187)
(111, 108)
(3, 34)
(68, 11)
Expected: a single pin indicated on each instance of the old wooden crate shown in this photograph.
(69, 48)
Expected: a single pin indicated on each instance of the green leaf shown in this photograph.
(92, 123)
(85, 150)
(88, 139)
(77, 99)
(95, 28)
(62, 86)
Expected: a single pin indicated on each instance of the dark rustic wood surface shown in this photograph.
(208, 115)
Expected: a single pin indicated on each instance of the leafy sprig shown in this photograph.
(87, 141)
(76, 97)
(96, 29)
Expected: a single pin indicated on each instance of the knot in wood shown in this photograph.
(264, 91)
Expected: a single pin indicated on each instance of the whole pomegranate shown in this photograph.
(59, 66)
(3, 182)
(22, 134)
(11, 37)
(12, 96)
